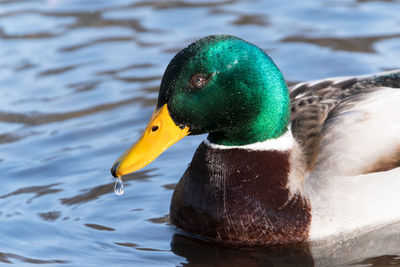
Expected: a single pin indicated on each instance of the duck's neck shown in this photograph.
(241, 196)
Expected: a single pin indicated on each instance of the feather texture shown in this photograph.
(319, 107)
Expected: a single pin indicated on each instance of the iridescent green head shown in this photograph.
(227, 87)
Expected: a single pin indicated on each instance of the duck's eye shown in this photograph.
(198, 81)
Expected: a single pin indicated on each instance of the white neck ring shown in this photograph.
(282, 143)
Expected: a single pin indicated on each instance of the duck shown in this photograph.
(314, 162)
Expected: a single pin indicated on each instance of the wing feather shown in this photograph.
(315, 104)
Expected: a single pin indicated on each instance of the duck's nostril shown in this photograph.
(154, 128)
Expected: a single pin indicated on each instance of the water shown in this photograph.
(118, 187)
(78, 83)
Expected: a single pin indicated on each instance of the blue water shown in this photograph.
(78, 83)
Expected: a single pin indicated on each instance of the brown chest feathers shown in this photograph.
(239, 196)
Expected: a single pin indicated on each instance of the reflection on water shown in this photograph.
(78, 82)
(200, 253)
(356, 44)
(9, 258)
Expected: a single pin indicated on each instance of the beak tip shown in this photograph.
(114, 170)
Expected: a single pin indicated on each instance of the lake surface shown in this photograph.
(78, 82)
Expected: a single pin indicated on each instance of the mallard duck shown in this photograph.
(279, 165)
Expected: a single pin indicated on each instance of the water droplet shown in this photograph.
(118, 187)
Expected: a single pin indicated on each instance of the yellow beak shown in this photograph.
(160, 133)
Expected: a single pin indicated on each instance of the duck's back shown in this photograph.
(349, 131)
(349, 124)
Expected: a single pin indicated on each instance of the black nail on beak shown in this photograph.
(114, 169)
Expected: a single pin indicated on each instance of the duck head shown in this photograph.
(221, 85)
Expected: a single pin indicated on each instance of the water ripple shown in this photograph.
(99, 227)
(352, 44)
(98, 191)
(38, 118)
(38, 191)
(50, 216)
(7, 258)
